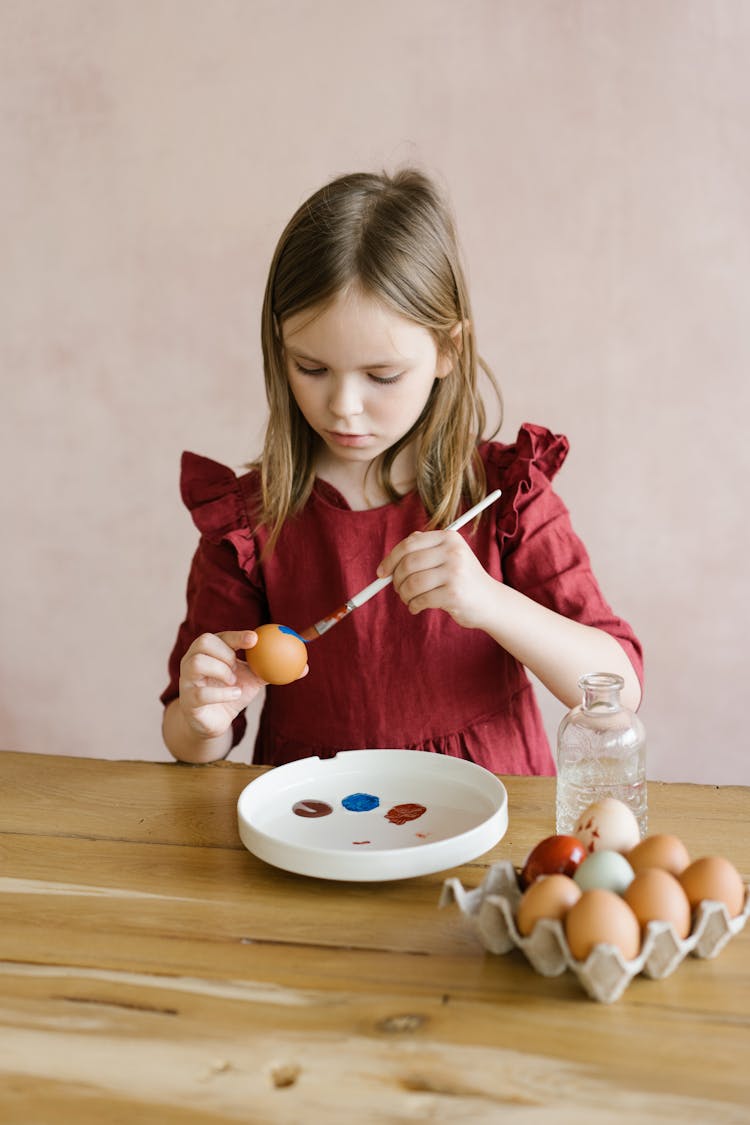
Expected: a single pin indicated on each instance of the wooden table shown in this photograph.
(153, 970)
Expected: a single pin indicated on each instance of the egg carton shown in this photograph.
(605, 974)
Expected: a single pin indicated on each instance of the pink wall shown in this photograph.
(596, 154)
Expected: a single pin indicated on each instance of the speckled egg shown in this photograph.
(608, 825)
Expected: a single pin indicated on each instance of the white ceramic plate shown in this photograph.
(393, 814)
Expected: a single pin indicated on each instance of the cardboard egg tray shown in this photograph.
(605, 974)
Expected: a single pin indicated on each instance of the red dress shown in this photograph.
(382, 677)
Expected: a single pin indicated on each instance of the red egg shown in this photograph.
(556, 855)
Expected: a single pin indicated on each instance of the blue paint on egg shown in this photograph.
(286, 629)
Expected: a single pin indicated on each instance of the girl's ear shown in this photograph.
(447, 355)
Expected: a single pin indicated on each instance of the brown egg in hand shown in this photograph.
(279, 656)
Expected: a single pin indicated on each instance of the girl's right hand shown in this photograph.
(215, 685)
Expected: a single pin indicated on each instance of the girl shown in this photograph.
(374, 444)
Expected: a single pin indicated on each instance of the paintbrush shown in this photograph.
(321, 627)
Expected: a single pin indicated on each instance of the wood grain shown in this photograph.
(153, 970)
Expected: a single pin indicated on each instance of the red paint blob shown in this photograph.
(402, 814)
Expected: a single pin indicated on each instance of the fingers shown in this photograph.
(208, 656)
(426, 590)
(237, 639)
(437, 570)
(211, 662)
(206, 695)
(415, 543)
(214, 684)
(200, 667)
(420, 553)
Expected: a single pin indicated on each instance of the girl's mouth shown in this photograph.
(348, 439)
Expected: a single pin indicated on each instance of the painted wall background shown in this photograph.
(596, 155)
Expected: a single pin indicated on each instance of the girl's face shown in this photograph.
(360, 373)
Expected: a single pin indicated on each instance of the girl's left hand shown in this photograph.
(439, 570)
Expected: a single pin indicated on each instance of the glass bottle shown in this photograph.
(601, 752)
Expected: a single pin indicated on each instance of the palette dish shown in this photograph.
(372, 815)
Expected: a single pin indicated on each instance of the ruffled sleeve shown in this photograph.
(523, 469)
(212, 494)
(541, 554)
(225, 587)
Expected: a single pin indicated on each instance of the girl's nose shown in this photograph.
(345, 399)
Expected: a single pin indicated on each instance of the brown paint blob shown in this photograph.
(402, 814)
(312, 808)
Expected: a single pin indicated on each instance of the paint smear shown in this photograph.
(291, 632)
(361, 841)
(402, 814)
(360, 802)
(312, 808)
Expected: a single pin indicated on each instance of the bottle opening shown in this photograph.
(593, 680)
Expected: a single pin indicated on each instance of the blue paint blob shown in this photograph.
(360, 802)
(286, 629)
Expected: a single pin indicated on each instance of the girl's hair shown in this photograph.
(393, 237)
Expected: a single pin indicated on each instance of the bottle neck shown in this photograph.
(601, 691)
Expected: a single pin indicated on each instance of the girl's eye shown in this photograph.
(309, 370)
(385, 379)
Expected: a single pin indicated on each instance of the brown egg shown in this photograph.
(279, 656)
(551, 896)
(660, 850)
(657, 896)
(602, 917)
(716, 879)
